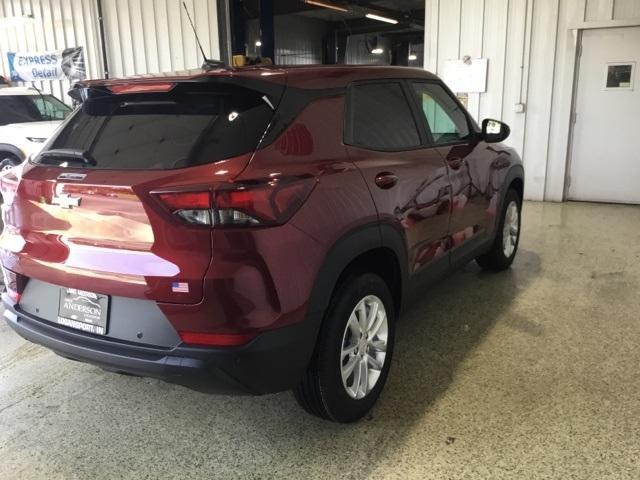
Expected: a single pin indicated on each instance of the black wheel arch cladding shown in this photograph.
(354, 244)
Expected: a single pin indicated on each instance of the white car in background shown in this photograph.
(27, 120)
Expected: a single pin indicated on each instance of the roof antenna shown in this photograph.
(208, 63)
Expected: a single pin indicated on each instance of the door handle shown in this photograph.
(445, 191)
(455, 163)
(386, 180)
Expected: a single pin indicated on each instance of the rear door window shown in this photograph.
(191, 125)
(380, 118)
(31, 108)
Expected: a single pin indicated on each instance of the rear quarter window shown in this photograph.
(380, 118)
(191, 125)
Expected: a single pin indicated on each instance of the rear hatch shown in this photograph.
(88, 212)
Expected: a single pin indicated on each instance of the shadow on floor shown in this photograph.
(433, 337)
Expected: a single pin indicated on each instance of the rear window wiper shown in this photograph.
(60, 156)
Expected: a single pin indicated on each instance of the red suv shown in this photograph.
(256, 229)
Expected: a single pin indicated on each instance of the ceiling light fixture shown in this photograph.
(413, 56)
(377, 51)
(330, 6)
(373, 16)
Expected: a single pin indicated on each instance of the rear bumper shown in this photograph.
(272, 362)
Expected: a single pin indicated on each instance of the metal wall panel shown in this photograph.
(50, 25)
(358, 53)
(142, 36)
(298, 39)
(625, 9)
(598, 10)
(153, 36)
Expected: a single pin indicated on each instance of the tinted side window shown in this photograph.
(447, 121)
(380, 118)
(18, 109)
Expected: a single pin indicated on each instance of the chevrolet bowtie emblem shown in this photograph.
(65, 200)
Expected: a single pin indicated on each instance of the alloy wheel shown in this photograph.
(511, 229)
(364, 347)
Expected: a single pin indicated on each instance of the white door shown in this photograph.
(605, 158)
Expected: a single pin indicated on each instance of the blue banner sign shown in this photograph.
(56, 65)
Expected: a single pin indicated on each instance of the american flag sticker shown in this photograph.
(180, 287)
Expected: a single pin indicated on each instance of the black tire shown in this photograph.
(321, 391)
(496, 259)
(8, 160)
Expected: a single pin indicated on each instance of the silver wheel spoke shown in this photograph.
(374, 362)
(362, 316)
(363, 386)
(354, 326)
(378, 345)
(373, 315)
(376, 326)
(357, 376)
(349, 350)
(348, 368)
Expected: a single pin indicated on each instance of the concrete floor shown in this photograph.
(531, 373)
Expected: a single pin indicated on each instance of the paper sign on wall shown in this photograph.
(468, 75)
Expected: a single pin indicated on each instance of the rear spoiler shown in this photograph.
(81, 92)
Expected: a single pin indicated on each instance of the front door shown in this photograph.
(469, 162)
(605, 160)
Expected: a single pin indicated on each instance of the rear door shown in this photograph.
(87, 213)
(407, 179)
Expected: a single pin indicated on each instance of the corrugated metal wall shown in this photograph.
(530, 45)
(358, 52)
(151, 36)
(143, 36)
(36, 25)
(298, 39)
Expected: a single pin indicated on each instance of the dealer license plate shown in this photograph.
(82, 310)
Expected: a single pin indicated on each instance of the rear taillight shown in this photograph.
(192, 207)
(15, 284)
(260, 204)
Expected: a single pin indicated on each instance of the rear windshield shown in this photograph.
(31, 108)
(191, 125)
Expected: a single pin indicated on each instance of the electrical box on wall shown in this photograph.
(467, 75)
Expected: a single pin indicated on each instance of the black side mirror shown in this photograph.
(494, 130)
